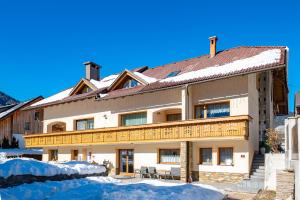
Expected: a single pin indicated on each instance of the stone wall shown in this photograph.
(285, 185)
(222, 177)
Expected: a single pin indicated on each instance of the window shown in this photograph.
(172, 74)
(173, 117)
(84, 124)
(37, 115)
(169, 156)
(27, 126)
(134, 119)
(212, 110)
(84, 89)
(226, 156)
(205, 156)
(199, 112)
(130, 83)
(53, 155)
(74, 155)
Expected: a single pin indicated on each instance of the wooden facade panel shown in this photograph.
(186, 130)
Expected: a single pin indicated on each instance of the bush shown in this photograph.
(5, 143)
(272, 141)
(14, 143)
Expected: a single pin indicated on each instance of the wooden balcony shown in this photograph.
(218, 128)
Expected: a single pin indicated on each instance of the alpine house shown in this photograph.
(205, 116)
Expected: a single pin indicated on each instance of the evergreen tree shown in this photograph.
(14, 143)
(5, 143)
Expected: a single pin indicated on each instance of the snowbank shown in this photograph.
(25, 166)
(19, 152)
(109, 188)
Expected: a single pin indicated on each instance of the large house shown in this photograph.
(204, 115)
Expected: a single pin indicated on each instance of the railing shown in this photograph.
(229, 127)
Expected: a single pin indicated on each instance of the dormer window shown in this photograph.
(85, 89)
(130, 83)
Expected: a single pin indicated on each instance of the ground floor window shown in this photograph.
(226, 156)
(53, 155)
(169, 156)
(74, 155)
(205, 156)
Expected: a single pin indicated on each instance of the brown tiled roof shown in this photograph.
(189, 65)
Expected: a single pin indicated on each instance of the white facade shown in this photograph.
(241, 93)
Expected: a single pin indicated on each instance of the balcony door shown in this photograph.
(126, 160)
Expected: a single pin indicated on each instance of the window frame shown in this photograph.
(132, 113)
(167, 115)
(49, 153)
(169, 149)
(84, 119)
(200, 156)
(27, 126)
(129, 81)
(219, 156)
(73, 155)
(205, 105)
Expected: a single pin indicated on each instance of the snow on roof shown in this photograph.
(145, 78)
(14, 108)
(264, 58)
(105, 82)
(55, 97)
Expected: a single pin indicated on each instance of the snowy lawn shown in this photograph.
(25, 166)
(109, 188)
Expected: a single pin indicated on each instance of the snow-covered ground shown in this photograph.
(21, 166)
(20, 152)
(109, 188)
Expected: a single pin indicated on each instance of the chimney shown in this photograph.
(92, 71)
(213, 46)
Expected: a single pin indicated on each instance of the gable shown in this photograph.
(126, 79)
(83, 86)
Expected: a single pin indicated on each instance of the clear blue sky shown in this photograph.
(44, 43)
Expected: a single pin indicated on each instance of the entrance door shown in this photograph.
(126, 161)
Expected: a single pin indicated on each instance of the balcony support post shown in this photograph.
(186, 157)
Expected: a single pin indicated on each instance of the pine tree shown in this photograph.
(14, 143)
(5, 143)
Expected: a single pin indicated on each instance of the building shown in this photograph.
(15, 121)
(203, 115)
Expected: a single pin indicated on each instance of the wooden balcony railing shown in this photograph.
(229, 127)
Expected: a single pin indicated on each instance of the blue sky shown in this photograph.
(44, 43)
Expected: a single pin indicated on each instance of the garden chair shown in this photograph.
(144, 172)
(152, 172)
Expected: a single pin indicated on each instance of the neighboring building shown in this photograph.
(14, 121)
(202, 114)
(292, 144)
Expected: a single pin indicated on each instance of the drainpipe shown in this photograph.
(187, 103)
